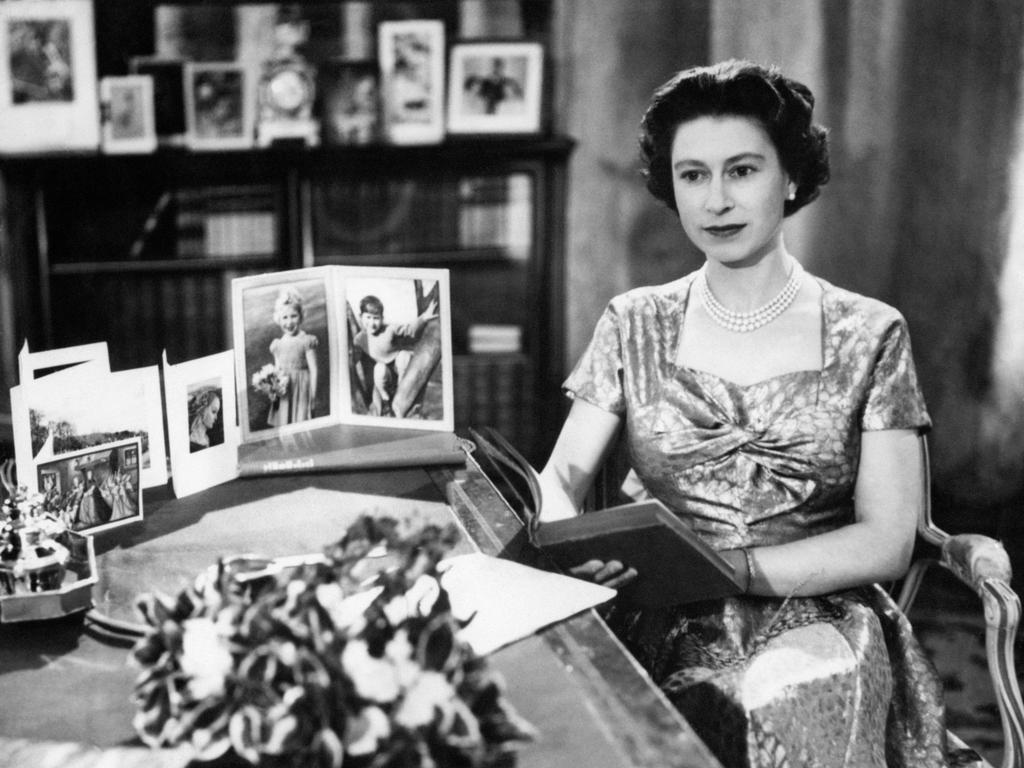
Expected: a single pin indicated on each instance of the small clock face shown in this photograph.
(287, 90)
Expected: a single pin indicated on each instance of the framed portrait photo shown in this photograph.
(399, 340)
(129, 125)
(168, 96)
(286, 355)
(219, 106)
(495, 87)
(349, 101)
(96, 488)
(48, 95)
(412, 56)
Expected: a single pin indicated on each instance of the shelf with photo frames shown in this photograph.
(139, 249)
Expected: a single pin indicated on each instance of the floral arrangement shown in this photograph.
(321, 666)
(33, 551)
(271, 382)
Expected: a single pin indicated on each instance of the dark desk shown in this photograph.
(64, 688)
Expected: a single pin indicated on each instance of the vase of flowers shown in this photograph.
(324, 665)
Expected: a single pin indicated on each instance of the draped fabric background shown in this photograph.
(923, 100)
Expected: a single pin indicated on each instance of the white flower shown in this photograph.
(347, 613)
(417, 601)
(428, 694)
(367, 728)
(204, 658)
(399, 651)
(373, 678)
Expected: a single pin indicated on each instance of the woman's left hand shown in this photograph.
(612, 574)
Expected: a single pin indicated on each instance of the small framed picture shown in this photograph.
(201, 428)
(495, 87)
(219, 107)
(399, 337)
(127, 109)
(48, 93)
(94, 489)
(168, 96)
(411, 56)
(349, 101)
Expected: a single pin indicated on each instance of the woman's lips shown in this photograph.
(724, 230)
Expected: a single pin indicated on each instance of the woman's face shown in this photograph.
(730, 187)
(209, 414)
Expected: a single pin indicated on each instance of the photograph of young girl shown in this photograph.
(396, 344)
(286, 353)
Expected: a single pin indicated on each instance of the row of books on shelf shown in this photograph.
(226, 222)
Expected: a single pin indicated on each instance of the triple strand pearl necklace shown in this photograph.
(744, 322)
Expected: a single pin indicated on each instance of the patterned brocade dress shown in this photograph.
(829, 681)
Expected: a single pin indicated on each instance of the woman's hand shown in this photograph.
(612, 574)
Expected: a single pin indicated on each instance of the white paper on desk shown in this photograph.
(512, 601)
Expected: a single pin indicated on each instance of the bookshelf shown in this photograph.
(139, 250)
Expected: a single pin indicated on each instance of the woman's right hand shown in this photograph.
(612, 574)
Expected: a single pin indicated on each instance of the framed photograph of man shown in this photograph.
(412, 56)
(48, 95)
(129, 125)
(202, 431)
(399, 340)
(285, 328)
(94, 489)
(219, 106)
(495, 87)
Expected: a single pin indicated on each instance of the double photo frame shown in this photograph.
(340, 345)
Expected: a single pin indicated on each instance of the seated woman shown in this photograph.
(778, 415)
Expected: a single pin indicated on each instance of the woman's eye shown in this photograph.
(742, 171)
(690, 177)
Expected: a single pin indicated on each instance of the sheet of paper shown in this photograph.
(31, 362)
(512, 601)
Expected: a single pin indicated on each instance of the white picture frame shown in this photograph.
(412, 59)
(48, 88)
(31, 364)
(219, 106)
(96, 488)
(495, 88)
(129, 125)
(202, 431)
(85, 406)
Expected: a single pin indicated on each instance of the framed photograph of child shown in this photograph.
(495, 87)
(411, 55)
(96, 488)
(286, 364)
(48, 95)
(129, 125)
(219, 106)
(202, 431)
(399, 340)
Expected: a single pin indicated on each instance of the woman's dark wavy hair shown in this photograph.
(742, 88)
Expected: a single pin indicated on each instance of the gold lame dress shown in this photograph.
(831, 681)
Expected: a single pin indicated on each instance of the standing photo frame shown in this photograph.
(48, 93)
(168, 96)
(412, 58)
(495, 88)
(129, 125)
(219, 106)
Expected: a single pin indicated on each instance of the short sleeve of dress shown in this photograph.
(274, 345)
(597, 377)
(309, 342)
(894, 399)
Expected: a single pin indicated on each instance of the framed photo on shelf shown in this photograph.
(168, 96)
(219, 106)
(96, 488)
(127, 111)
(411, 56)
(48, 95)
(495, 87)
(284, 326)
(349, 101)
(202, 433)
